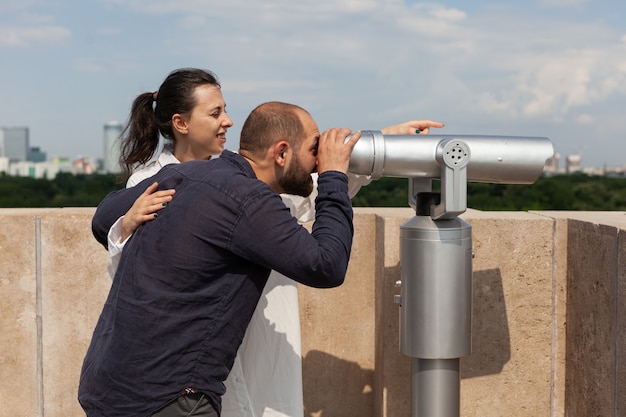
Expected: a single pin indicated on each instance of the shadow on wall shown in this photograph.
(491, 346)
(336, 387)
(347, 380)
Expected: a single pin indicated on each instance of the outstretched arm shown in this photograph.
(411, 127)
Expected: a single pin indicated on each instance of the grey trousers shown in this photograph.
(196, 405)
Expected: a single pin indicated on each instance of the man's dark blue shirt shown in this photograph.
(188, 281)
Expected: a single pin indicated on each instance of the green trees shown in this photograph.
(563, 192)
(65, 190)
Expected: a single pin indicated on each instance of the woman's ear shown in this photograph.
(179, 124)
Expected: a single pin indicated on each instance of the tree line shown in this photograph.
(577, 192)
(65, 190)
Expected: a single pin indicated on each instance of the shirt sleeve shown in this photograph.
(267, 234)
(355, 182)
(115, 245)
(114, 206)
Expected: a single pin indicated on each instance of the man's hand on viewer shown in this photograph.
(333, 151)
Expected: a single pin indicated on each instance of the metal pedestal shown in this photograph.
(435, 310)
(436, 387)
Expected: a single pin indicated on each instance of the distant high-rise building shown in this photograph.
(574, 163)
(112, 132)
(552, 164)
(4, 164)
(35, 154)
(15, 143)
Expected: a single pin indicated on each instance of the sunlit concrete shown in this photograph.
(549, 321)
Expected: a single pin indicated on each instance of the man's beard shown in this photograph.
(297, 180)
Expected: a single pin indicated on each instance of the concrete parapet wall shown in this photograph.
(549, 316)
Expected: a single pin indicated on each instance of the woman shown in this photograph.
(189, 111)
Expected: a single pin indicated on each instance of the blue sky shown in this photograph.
(554, 68)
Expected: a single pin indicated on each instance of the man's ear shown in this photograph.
(281, 149)
(179, 123)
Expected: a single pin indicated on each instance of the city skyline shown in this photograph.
(109, 160)
(553, 68)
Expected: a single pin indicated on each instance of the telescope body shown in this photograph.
(436, 245)
(494, 159)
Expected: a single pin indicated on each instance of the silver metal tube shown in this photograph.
(435, 310)
(436, 388)
(496, 159)
(436, 297)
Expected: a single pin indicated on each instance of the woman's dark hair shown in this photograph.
(140, 137)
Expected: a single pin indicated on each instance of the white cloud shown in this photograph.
(426, 11)
(120, 65)
(27, 36)
(9, 6)
(585, 119)
(546, 71)
(90, 65)
(504, 62)
(561, 81)
(562, 3)
(250, 86)
(519, 64)
(255, 7)
(27, 29)
(109, 30)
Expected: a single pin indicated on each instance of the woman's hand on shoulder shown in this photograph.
(145, 208)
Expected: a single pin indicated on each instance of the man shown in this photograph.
(188, 282)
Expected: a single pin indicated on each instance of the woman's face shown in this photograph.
(205, 127)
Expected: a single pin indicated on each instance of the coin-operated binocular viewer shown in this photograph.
(436, 245)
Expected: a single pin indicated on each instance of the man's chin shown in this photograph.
(303, 191)
(305, 194)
